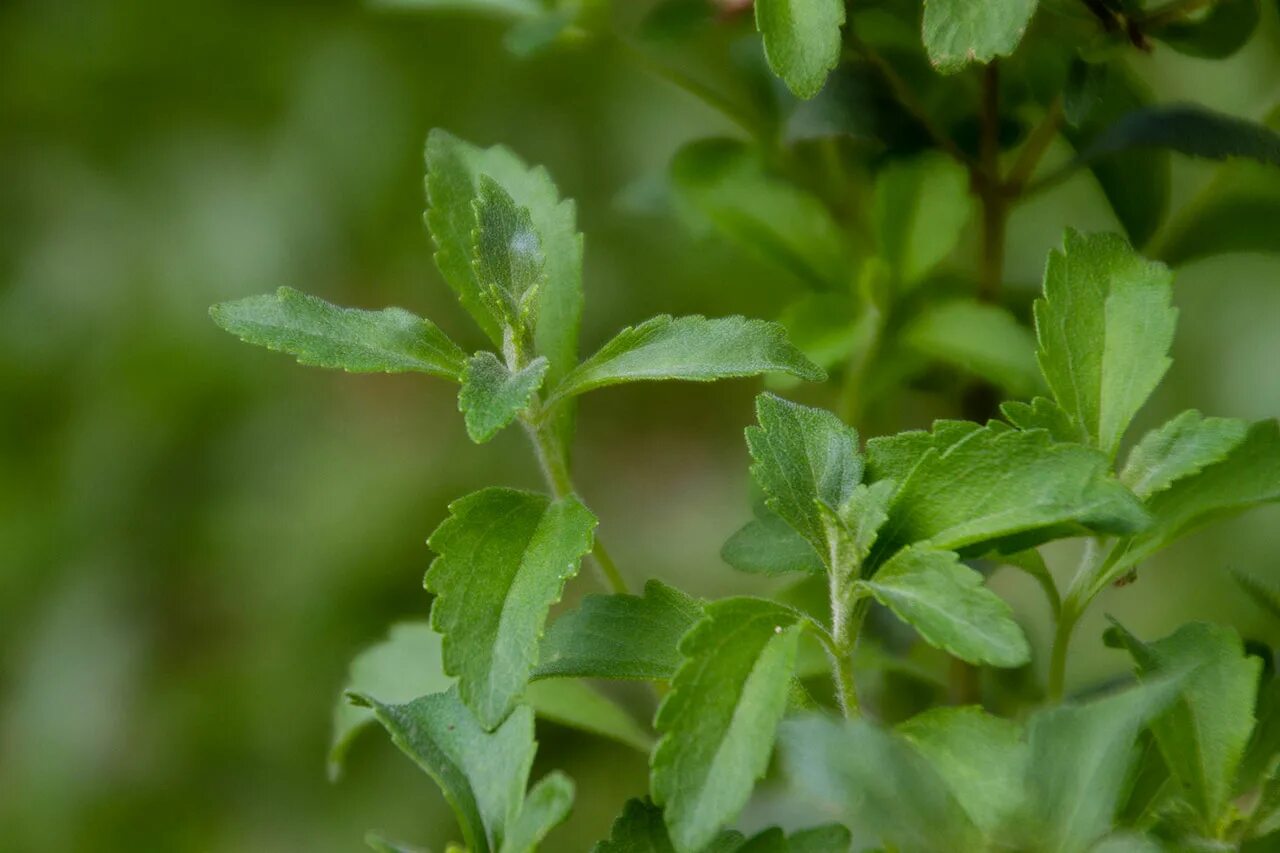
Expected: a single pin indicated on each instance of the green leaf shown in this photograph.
(1188, 129)
(874, 780)
(640, 829)
(767, 545)
(546, 805)
(482, 774)
(1261, 593)
(454, 170)
(948, 603)
(803, 456)
(1079, 756)
(957, 32)
(824, 326)
(1042, 413)
(579, 706)
(492, 396)
(620, 636)
(981, 759)
(1218, 33)
(1009, 490)
(725, 182)
(693, 349)
(379, 843)
(1248, 477)
(1203, 734)
(920, 211)
(319, 334)
(402, 667)
(504, 558)
(1105, 325)
(718, 721)
(1180, 448)
(515, 9)
(985, 340)
(829, 838)
(506, 253)
(801, 40)
(853, 527)
(894, 457)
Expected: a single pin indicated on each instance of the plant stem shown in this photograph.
(1073, 607)
(846, 624)
(991, 192)
(1033, 150)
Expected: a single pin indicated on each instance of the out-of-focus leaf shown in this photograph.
(577, 705)
(921, 208)
(801, 40)
(768, 545)
(514, 9)
(823, 326)
(725, 182)
(1188, 129)
(319, 334)
(1181, 448)
(379, 843)
(546, 805)
(1216, 34)
(492, 396)
(985, 340)
(620, 636)
(957, 32)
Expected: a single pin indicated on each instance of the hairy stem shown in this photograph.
(846, 624)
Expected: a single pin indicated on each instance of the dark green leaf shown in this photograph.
(506, 254)
(504, 558)
(1218, 33)
(957, 32)
(1188, 129)
(831, 838)
(801, 40)
(620, 636)
(492, 396)
(693, 349)
(718, 721)
(323, 335)
(640, 829)
(985, 340)
(1180, 448)
(947, 602)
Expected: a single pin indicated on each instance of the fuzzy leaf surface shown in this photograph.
(506, 254)
(1181, 448)
(1105, 325)
(957, 32)
(620, 636)
(1042, 413)
(768, 545)
(950, 606)
(693, 349)
(319, 334)
(492, 396)
(504, 556)
(719, 720)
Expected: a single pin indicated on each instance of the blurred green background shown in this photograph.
(196, 536)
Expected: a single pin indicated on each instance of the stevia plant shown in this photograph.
(887, 693)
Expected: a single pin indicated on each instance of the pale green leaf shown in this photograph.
(580, 706)
(874, 780)
(981, 759)
(768, 545)
(803, 456)
(492, 396)
(1010, 490)
(1105, 325)
(640, 829)
(1042, 413)
(1182, 447)
(985, 340)
(620, 636)
(718, 721)
(921, 208)
(482, 774)
(379, 843)
(957, 32)
(693, 349)
(546, 805)
(801, 40)
(1202, 735)
(949, 605)
(504, 558)
(825, 327)
(319, 334)
(506, 254)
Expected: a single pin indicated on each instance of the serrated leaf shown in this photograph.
(1180, 448)
(620, 636)
(640, 829)
(985, 340)
(1218, 33)
(506, 253)
(894, 457)
(829, 838)
(579, 706)
(692, 349)
(801, 40)
(1203, 734)
(725, 182)
(767, 545)
(957, 32)
(803, 456)
(1010, 490)
(1261, 593)
(482, 774)
(875, 781)
(1248, 477)
(950, 606)
(853, 527)
(546, 805)
(1042, 413)
(982, 759)
(454, 169)
(1079, 756)
(1105, 325)
(921, 208)
(492, 396)
(504, 558)
(718, 721)
(320, 334)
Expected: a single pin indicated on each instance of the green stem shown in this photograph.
(1077, 600)
(847, 616)
(991, 191)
